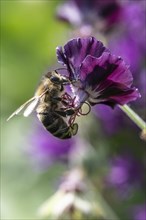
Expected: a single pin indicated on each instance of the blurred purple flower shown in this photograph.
(109, 118)
(125, 173)
(139, 212)
(46, 149)
(96, 13)
(100, 77)
(127, 48)
(133, 21)
(129, 41)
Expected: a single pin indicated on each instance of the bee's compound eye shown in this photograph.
(55, 79)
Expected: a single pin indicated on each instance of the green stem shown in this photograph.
(133, 116)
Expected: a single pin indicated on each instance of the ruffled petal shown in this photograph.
(106, 66)
(121, 73)
(61, 56)
(92, 69)
(111, 93)
(126, 96)
(108, 79)
(77, 49)
(116, 93)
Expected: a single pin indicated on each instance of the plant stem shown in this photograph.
(133, 116)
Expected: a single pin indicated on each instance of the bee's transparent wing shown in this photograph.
(33, 102)
(31, 107)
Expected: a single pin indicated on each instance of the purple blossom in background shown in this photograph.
(45, 149)
(100, 76)
(109, 118)
(125, 173)
(96, 13)
(124, 45)
(133, 21)
(139, 212)
(129, 41)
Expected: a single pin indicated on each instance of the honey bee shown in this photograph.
(49, 107)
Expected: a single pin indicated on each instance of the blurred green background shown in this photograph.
(29, 36)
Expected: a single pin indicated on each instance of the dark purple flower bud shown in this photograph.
(99, 76)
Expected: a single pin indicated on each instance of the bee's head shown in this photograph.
(55, 77)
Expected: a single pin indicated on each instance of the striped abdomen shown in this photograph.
(56, 125)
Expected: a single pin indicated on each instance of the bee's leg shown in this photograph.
(70, 111)
(74, 128)
(58, 99)
(61, 113)
(55, 100)
(65, 112)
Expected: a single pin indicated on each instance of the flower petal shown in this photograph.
(75, 52)
(61, 56)
(77, 49)
(121, 73)
(126, 96)
(112, 93)
(113, 68)
(109, 79)
(92, 69)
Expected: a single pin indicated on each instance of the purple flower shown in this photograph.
(99, 76)
(125, 173)
(129, 41)
(133, 21)
(46, 149)
(139, 212)
(109, 119)
(90, 13)
(126, 46)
